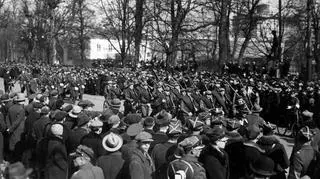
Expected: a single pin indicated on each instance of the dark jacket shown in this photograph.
(215, 162)
(112, 165)
(75, 138)
(252, 152)
(93, 141)
(16, 124)
(140, 166)
(39, 127)
(88, 171)
(235, 150)
(127, 149)
(159, 156)
(57, 159)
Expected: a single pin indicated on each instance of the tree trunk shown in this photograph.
(81, 35)
(138, 29)
(224, 33)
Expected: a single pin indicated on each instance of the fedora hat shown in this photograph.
(17, 170)
(112, 142)
(115, 103)
(263, 166)
(76, 110)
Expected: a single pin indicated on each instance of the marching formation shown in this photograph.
(156, 124)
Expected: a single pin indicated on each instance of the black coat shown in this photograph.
(159, 156)
(112, 165)
(235, 150)
(93, 141)
(215, 162)
(57, 159)
(75, 138)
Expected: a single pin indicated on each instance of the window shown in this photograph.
(98, 47)
(110, 48)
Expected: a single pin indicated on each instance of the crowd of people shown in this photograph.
(155, 124)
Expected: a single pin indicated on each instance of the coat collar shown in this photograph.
(253, 145)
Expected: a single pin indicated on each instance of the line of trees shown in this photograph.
(218, 30)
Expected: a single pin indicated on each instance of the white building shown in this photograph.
(109, 49)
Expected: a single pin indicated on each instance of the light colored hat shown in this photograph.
(20, 97)
(144, 137)
(57, 129)
(112, 142)
(76, 110)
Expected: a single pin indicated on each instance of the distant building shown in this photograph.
(100, 49)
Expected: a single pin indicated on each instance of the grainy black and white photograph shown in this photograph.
(159, 89)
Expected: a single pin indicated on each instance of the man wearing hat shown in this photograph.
(215, 160)
(141, 165)
(262, 168)
(55, 154)
(83, 158)
(145, 99)
(127, 149)
(71, 120)
(206, 102)
(187, 104)
(15, 126)
(131, 97)
(148, 125)
(53, 99)
(163, 152)
(302, 154)
(222, 99)
(76, 134)
(162, 123)
(252, 151)
(112, 162)
(192, 147)
(39, 125)
(93, 139)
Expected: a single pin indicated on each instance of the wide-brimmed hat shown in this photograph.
(132, 119)
(85, 103)
(83, 119)
(215, 133)
(112, 142)
(17, 170)
(114, 104)
(263, 166)
(20, 97)
(76, 110)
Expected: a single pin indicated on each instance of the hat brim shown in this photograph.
(73, 115)
(261, 172)
(109, 149)
(146, 140)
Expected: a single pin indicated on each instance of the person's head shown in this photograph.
(192, 146)
(96, 125)
(149, 123)
(114, 121)
(82, 156)
(57, 130)
(17, 171)
(304, 135)
(144, 140)
(216, 136)
(262, 168)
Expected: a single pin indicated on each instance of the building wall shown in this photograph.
(109, 49)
